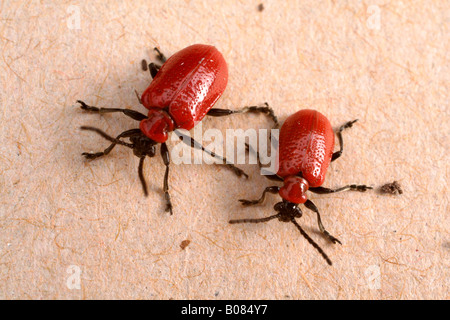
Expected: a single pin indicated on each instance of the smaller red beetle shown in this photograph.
(305, 151)
(183, 91)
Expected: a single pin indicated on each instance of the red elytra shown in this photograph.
(187, 85)
(306, 144)
(183, 91)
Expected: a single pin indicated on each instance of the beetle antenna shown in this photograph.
(141, 175)
(255, 220)
(311, 241)
(107, 136)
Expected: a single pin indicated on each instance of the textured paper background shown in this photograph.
(383, 62)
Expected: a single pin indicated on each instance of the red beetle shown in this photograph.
(305, 151)
(183, 91)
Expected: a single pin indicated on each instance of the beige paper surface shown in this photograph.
(72, 229)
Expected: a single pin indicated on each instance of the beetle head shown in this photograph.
(143, 146)
(287, 211)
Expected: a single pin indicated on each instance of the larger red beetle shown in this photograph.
(183, 91)
(305, 151)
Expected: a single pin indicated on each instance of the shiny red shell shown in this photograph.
(188, 84)
(306, 145)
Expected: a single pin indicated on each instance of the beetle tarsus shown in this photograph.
(92, 156)
(169, 207)
(331, 238)
(347, 125)
(266, 109)
(360, 188)
(246, 202)
(161, 57)
(86, 107)
(135, 115)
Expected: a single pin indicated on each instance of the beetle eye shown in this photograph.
(278, 206)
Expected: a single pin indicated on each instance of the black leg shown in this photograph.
(249, 149)
(161, 57)
(337, 154)
(141, 175)
(352, 187)
(255, 220)
(153, 67)
(311, 206)
(272, 189)
(196, 145)
(125, 134)
(130, 113)
(311, 242)
(166, 159)
(268, 111)
(272, 177)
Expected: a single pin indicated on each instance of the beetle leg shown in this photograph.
(130, 113)
(166, 159)
(153, 68)
(311, 206)
(272, 177)
(249, 149)
(337, 154)
(161, 57)
(272, 189)
(352, 187)
(268, 111)
(196, 145)
(125, 134)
